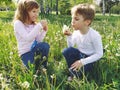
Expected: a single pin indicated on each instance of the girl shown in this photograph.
(30, 34)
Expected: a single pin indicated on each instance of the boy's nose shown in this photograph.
(72, 22)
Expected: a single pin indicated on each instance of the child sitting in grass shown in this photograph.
(30, 33)
(88, 41)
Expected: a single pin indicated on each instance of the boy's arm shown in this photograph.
(71, 40)
(97, 43)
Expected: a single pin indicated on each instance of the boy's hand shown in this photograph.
(66, 30)
(76, 65)
(44, 24)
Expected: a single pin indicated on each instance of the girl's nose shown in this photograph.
(37, 14)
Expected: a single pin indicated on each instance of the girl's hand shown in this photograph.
(44, 24)
(76, 65)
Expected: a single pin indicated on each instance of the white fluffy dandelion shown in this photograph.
(1, 77)
(25, 84)
(52, 76)
(65, 28)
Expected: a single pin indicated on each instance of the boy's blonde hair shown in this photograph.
(24, 6)
(86, 10)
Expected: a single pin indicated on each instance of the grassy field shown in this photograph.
(14, 76)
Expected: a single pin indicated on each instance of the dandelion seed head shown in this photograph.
(44, 57)
(25, 84)
(1, 77)
(52, 76)
(44, 70)
(117, 54)
(65, 28)
(35, 76)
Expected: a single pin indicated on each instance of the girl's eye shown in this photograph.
(34, 11)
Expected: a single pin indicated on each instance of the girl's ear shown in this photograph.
(87, 22)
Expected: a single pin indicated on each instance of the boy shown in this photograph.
(88, 41)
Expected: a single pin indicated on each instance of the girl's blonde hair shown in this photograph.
(24, 6)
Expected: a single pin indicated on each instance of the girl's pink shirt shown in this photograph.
(26, 34)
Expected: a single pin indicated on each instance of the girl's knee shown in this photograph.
(43, 46)
(47, 45)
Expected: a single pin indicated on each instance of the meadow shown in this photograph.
(14, 76)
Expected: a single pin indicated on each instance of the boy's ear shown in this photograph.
(88, 22)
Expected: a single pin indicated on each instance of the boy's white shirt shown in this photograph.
(89, 44)
(26, 35)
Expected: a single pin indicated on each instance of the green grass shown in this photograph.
(13, 75)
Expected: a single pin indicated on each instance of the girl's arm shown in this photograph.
(20, 29)
(43, 32)
(41, 36)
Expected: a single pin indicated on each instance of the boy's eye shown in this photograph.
(76, 19)
(34, 11)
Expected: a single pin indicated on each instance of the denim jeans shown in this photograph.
(41, 49)
(71, 55)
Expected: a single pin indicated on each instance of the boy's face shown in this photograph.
(78, 22)
(33, 14)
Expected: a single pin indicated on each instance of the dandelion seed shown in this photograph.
(52, 76)
(35, 76)
(11, 53)
(4, 85)
(117, 54)
(58, 31)
(25, 84)
(44, 58)
(106, 46)
(0, 74)
(44, 70)
(1, 77)
(65, 28)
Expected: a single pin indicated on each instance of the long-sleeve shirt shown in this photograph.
(27, 34)
(89, 44)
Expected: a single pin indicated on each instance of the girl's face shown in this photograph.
(33, 14)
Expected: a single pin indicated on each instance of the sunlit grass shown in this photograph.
(13, 75)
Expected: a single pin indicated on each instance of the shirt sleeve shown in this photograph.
(41, 36)
(20, 29)
(71, 39)
(97, 44)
